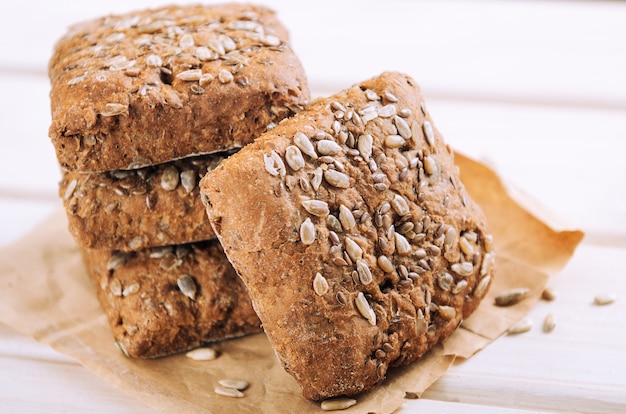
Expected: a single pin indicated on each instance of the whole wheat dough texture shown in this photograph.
(354, 234)
(155, 85)
(164, 300)
(136, 209)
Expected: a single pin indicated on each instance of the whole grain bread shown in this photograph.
(351, 228)
(155, 85)
(136, 209)
(165, 300)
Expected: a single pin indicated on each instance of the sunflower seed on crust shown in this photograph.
(364, 308)
(320, 284)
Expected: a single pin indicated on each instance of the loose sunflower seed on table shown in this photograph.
(337, 404)
(549, 323)
(228, 392)
(202, 354)
(511, 297)
(604, 299)
(520, 327)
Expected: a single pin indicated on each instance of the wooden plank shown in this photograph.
(512, 50)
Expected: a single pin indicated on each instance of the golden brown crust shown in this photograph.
(358, 243)
(170, 299)
(156, 85)
(135, 209)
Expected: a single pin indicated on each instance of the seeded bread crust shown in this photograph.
(354, 234)
(136, 209)
(165, 300)
(155, 85)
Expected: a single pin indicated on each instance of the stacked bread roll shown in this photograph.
(143, 105)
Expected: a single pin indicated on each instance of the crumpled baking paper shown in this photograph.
(46, 293)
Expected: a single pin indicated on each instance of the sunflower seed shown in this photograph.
(191, 75)
(488, 262)
(320, 284)
(337, 179)
(365, 275)
(520, 327)
(466, 246)
(548, 294)
(334, 224)
(130, 289)
(113, 109)
(430, 165)
(186, 40)
(294, 158)
(445, 281)
(364, 308)
(234, 384)
(447, 312)
(462, 269)
(203, 53)
(269, 40)
(115, 286)
(274, 164)
(225, 76)
(188, 180)
(187, 286)
(316, 207)
(511, 297)
(406, 227)
(353, 249)
(205, 79)
(549, 323)
(337, 404)
(481, 287)
(604, 299)
(170, 178)
(400, 205)
(122, 348)
(304, 143)
(364, 146)
(154, 60)
(403, 127)
(307, 232)
(316, 180)
(488, 242)
(394, 141)
(403, 247)
(459, 287)
(387, 111)
(328, 147)
(429, 133)
(371, 95)
(228, 42)
(346, 218)
(116, 259)
(385, 264)
(202, 354)
(228, 392)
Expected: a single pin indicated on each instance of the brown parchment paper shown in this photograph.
(45, 293)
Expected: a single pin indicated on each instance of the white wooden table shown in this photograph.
(536, 89)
